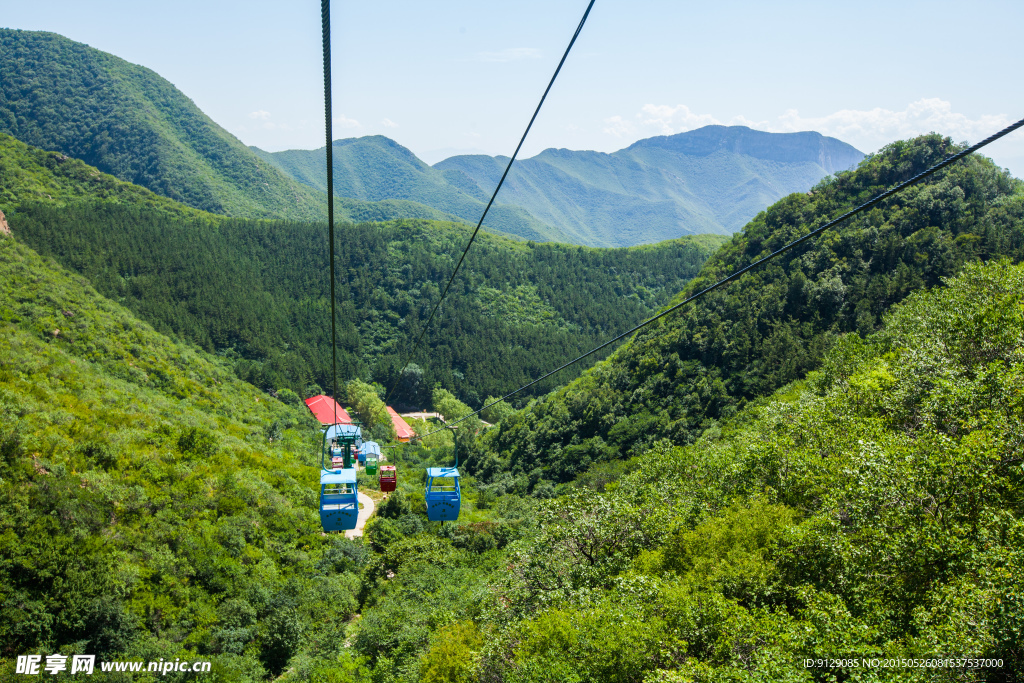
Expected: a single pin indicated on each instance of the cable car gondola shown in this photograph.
(444, 497)
(388, 478)
(370, 455)
(443, 494)
(339, 501)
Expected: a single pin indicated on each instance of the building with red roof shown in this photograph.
(402, 429)
(325, 409)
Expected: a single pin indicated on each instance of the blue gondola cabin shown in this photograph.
(339, 505)
(444, 497)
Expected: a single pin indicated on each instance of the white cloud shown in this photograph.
(870, 129)
(388, 123)
(262, 115)
(668, 120)
(741, 120)
(619, 127)
(510, 54)
(867, 130)
(341, 121)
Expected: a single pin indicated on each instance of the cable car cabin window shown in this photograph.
(439, 484)
(345, 489)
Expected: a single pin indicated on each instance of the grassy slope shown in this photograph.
(375, 168)
(29, 174)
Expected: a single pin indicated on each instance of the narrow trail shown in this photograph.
(364, 515)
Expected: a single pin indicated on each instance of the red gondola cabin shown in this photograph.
(388, 478)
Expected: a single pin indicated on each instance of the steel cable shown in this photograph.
(325, 20)
(487, 208)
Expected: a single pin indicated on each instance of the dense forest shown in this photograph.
(691, 370)
(258, 293)
(870, 512)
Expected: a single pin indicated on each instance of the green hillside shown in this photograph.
(682, 375)
(125, 120)
(29, 174)
(152, 504)
(710, 180)
(867, 516)
(375, 168)
(258, 293)
(155, 507)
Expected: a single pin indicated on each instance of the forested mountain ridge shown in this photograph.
(686, 372)
(710, 180)
(376, 168)
(256, 291)
(124, 119)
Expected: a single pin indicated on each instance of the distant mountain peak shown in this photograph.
(829, 153)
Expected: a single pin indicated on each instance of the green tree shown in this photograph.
(450, 656)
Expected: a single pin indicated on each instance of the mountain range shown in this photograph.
(710, 180)
(125, 120)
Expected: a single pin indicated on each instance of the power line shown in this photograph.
(726, 280)
(325, 20)
(487, 208)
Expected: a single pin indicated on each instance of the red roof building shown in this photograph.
(325, 409)
(402, 429)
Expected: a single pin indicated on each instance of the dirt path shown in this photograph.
(364, 515)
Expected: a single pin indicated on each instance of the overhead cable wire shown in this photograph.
(726, 280)
(487, 208)
(325, 20)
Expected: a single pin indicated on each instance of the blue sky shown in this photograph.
(451, 75)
